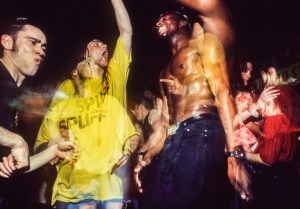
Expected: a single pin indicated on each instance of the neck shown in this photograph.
(178, 41)
(13, 70)
(145, 113)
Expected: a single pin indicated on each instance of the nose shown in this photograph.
(41, 51)
(158, 24)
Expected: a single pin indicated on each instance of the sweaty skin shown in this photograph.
(192, 94)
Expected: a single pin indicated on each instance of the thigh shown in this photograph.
(86, 204)
(111, 204)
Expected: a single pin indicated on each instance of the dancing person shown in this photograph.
(92, 110)
(201, 112)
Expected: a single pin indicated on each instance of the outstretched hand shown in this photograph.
(159, 120)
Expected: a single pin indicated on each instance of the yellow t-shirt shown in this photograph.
(118, 69)
(100, 125)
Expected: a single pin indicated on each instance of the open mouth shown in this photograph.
(162, 28)
(104, 53)
(38, 61)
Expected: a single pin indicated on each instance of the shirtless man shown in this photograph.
(195, 84)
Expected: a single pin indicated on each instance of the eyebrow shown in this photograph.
(36, 40)
(95, 41)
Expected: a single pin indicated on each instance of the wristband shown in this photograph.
(141, 153)
(237, 153)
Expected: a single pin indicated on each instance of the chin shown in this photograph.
(103, 65)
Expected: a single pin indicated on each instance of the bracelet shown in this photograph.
(141, 153)
(237, 153)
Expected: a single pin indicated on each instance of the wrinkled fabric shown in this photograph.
(192, 168)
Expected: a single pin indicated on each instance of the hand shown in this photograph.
(7, 166)
(63, 136)
(65, 149)
(136, 175)
(269, 93)
(20, 154)
(173, 85)
(239, 178)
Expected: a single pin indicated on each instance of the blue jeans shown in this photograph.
(106, 204)
(192, 172)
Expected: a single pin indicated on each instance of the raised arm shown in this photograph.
(123, 22)
(216, 19)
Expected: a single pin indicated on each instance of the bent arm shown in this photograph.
(216, 18)
(10, 139)
(124, 23)
(42, 158)
(19, 147)
(62, 149)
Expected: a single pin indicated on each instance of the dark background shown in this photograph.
(265, 27)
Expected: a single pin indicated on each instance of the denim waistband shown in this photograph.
(204, 116)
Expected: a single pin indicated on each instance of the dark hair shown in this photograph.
(148, 103)
(13, 27)
(180, 16)
(239, 83)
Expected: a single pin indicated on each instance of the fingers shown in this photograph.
(239, 178)
(159, 103)
(11, 162)
(64, 134)
(170, 83)
(66, 146)
(21, 157)
(8, 164)
(5, 171)
(136, 175)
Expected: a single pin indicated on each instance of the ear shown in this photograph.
(182, 23)
(7, 42)
(86, 55)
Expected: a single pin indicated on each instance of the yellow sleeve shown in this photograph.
(50, 126)
(119, 69)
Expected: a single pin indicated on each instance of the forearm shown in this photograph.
(10, 139)
(42, 147)
(228, 116)
(255, 158)
(203, 7)
(42, 158)
(158, 135)
(123, 22)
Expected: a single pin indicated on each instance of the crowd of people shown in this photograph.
(216, 137)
